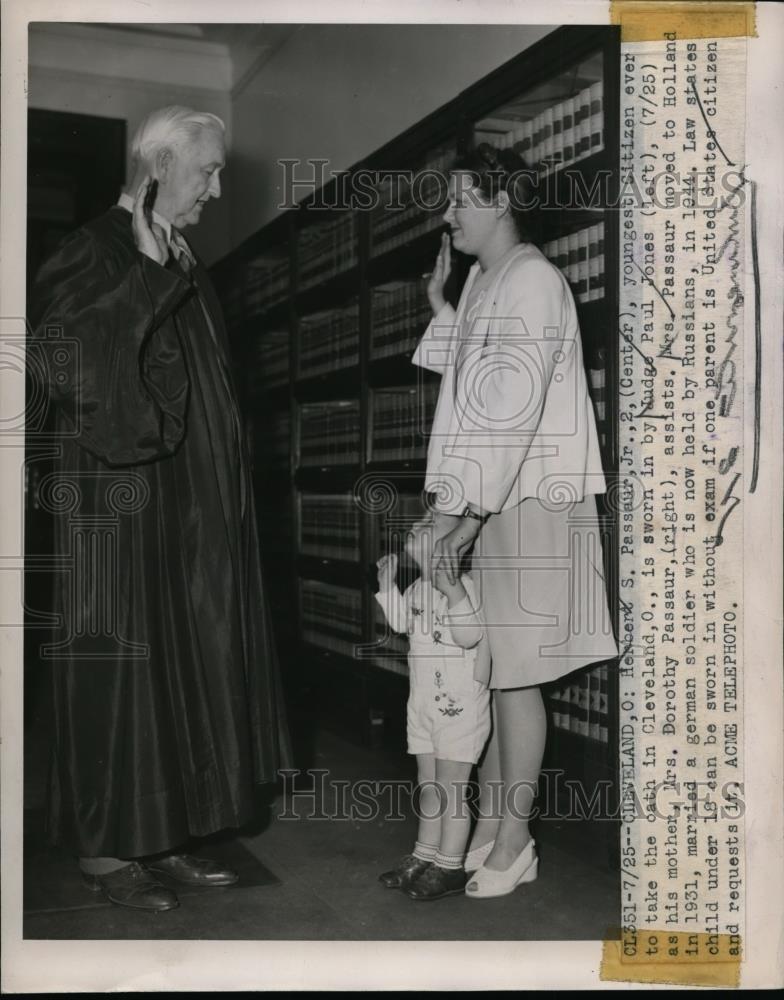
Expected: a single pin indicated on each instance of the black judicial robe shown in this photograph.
(167, 699)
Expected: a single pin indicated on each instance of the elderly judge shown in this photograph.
(167, 700)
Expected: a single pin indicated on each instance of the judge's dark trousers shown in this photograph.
(101, 866)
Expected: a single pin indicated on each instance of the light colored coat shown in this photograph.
(513, 418)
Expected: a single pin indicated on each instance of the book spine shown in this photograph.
(547, 141)
(557, 155)
(401, 418)
(582, 266)
(329, 526)
(604, 716)
(562, 258)
(568, 131)
(329, 433)
(597, 116)
(583, 141)
(331, 615)
(594, 728)
(573, 243)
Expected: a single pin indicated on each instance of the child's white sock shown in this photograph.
(449, 860)
(425, 852)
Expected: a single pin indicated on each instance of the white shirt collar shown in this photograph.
(126, 201)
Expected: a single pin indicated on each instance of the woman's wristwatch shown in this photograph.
(467, 512)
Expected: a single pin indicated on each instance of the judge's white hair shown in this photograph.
(171, 127)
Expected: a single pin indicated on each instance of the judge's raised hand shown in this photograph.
(148, 236)
(387, 568)
(443, 265)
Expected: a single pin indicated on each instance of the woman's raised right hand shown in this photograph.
(441, 269)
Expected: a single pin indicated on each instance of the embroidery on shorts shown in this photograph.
(452, 708)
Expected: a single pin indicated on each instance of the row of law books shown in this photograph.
(561, 134)
(267, 283)
(329, 526)
(580, 257)
(329, 340)
(329, 523)
(329, 433)
(400, 312)
(326, 250)
(406, 212)
(331, 615)
(269, 363)
(582, 706)
(401, 421)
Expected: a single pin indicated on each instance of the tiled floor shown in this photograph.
(311, 873)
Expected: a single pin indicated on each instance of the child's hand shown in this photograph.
(387, 568)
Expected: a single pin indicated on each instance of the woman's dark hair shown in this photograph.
(495, 170)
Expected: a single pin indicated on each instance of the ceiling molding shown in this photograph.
(130, 55)
(104, 83)
(144, 36)
(224, 58)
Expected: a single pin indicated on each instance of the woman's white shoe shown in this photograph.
(487, 883)
(476, 858)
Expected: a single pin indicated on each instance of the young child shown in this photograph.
(448, 715)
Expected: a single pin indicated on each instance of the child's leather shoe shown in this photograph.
(404, 872)
(436, 882)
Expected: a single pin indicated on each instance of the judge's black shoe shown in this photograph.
(437, 882)
(133, 886)
(404, 872)
(193, 871)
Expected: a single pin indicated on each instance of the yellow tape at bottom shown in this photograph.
(678, 957)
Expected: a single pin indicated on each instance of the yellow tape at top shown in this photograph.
(646, 20)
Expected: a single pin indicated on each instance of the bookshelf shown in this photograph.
(324, 308)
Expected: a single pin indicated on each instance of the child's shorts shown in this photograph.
(448, 711)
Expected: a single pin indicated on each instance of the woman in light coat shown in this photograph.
(514, 463)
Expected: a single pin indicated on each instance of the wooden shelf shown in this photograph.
(274, 318)
(329, 570)
(328, 294)
(327, 479)
(410, 259)
(338, 384)
(393, 466)
(390, 371)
